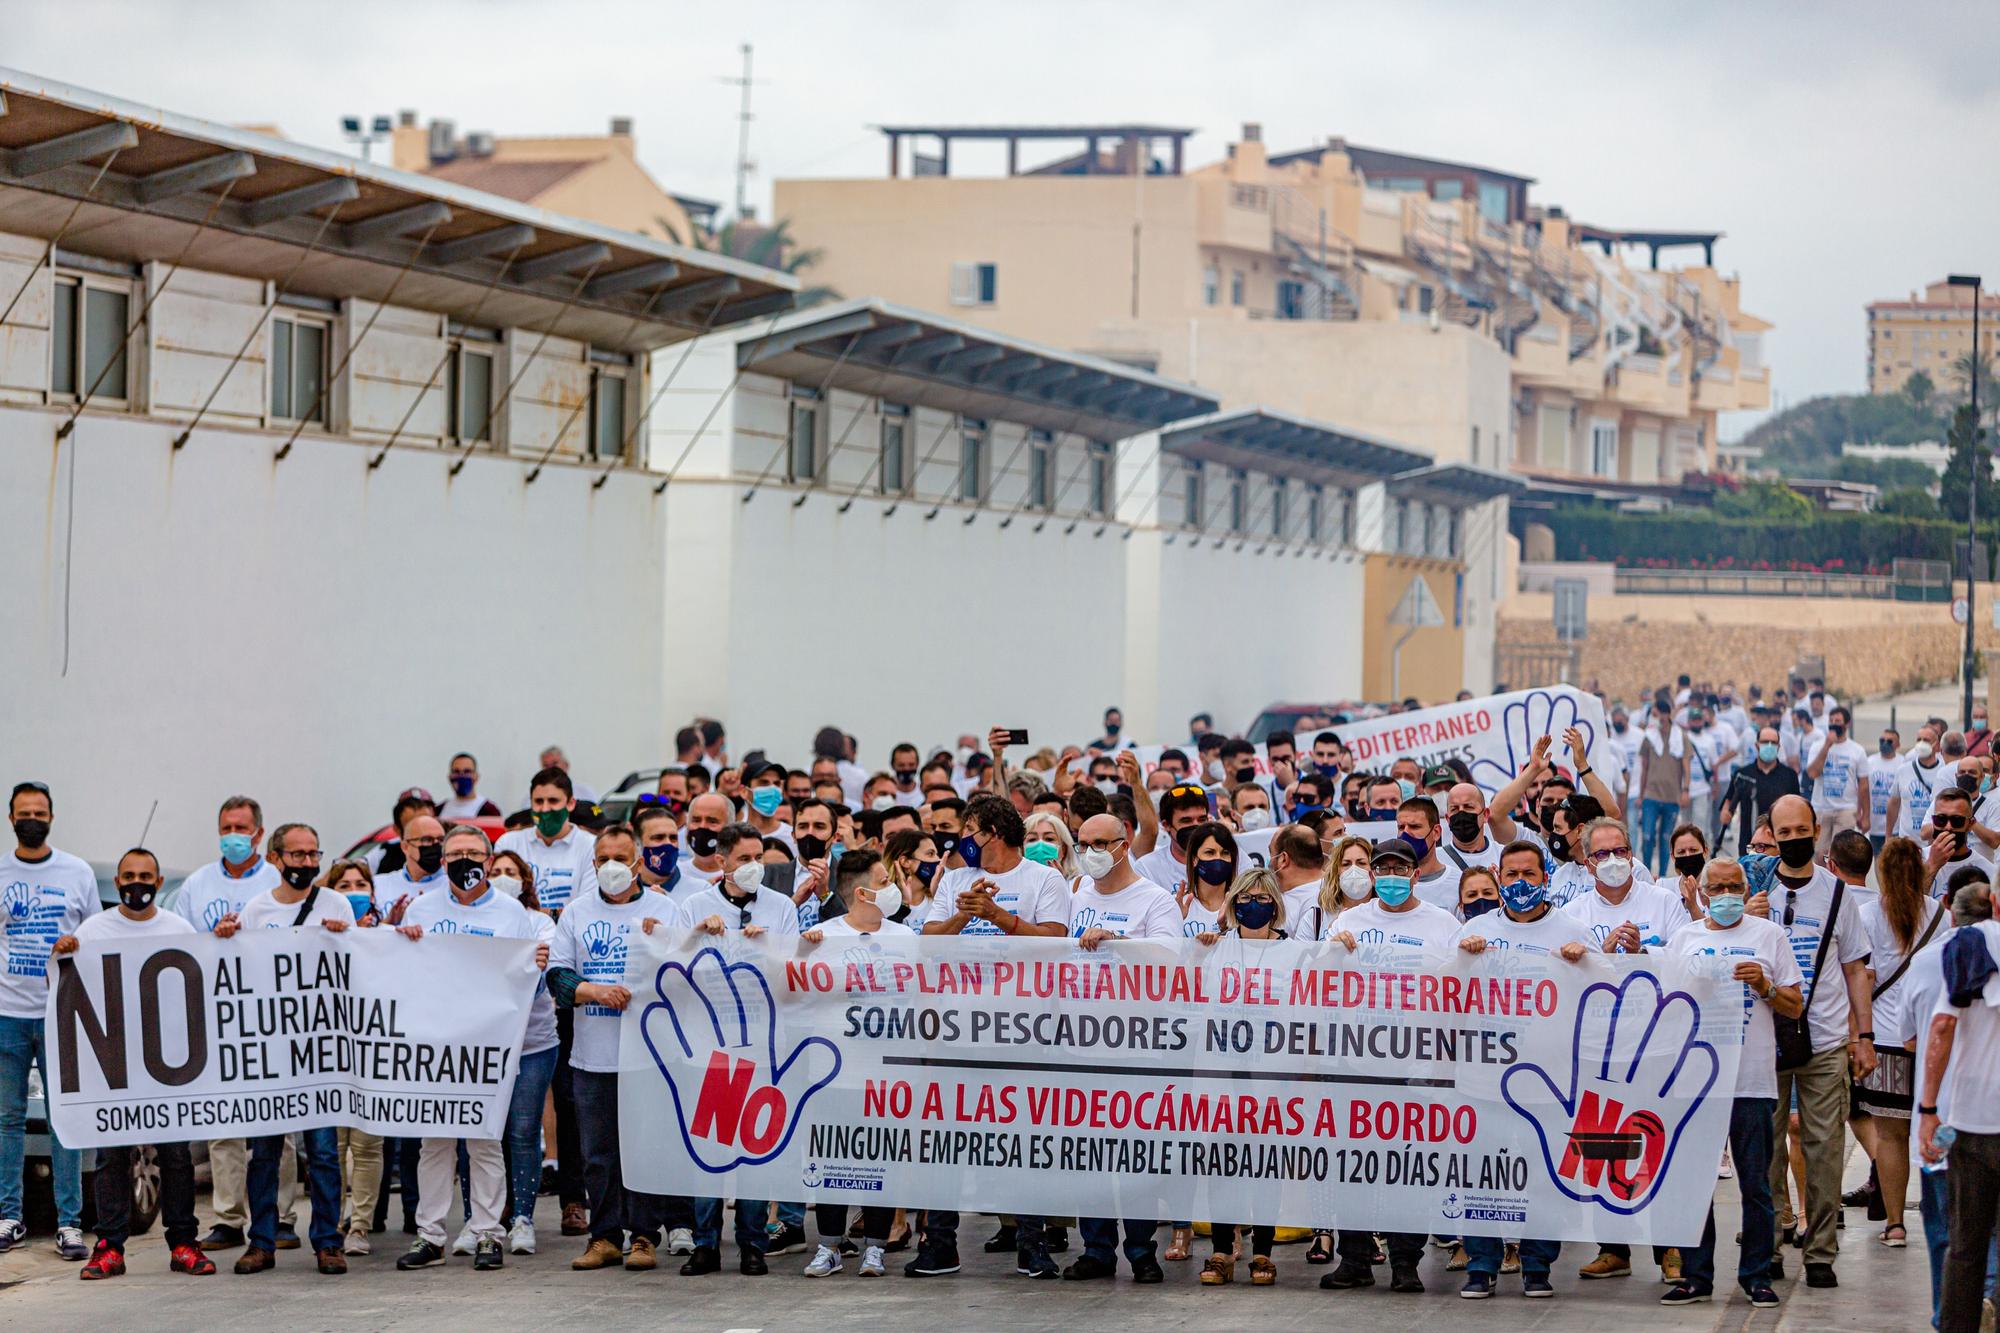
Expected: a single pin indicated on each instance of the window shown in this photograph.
(1315, 515)
(1191, 501)
(1239, 483)
(298, 369)
(972, 462)
(1236, 286)
(802, 450)
(1041, 471)
(1278, 508)
(87, 338)
(607, 413)
(1211, 285)
(1604, 448)
(1100, 477)
(469, 388)
(974, 284)
(895, 427)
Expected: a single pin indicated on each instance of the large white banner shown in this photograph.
(194, 1037)
(1508, 1094)
(1494, 735)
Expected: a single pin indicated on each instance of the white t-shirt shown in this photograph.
(1974, 1072)
(1917, 784)
(1439, 890)
(1035, 893)
(592, 939)
(1827, 1018)
(1544, 935)
(1142, 910)
(1838, 786)
(1895, 1025)
(265, 912)
(210, 893)
(496, 915)
(1884, 772)
(1420, 934)
(769, 909)
(1657, 912)
(115, 925)
(564, 869)
(40, 902)
(1751, 940)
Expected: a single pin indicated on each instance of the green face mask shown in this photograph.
(550, 822)
(1042, 853)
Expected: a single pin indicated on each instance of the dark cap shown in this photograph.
(1439, 775)
(1395, 847)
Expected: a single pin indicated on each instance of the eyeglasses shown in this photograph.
(1605, 854)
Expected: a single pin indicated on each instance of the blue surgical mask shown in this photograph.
(1768, 752)
(661, 860)
(1255, 913)
(1393, 890)
(1725, 909)
(1407, 787)
(766, 800)
(236, 847)
(1522, 896)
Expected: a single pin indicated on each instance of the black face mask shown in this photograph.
(430, 858)
(811, 846)
(464, 872)
(1795, 851)
(31, 833)
(702, 841)
(1464, 825)
(1691, 863)
(139, 894)
(301, 877)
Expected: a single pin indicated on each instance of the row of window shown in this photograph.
(893, 470)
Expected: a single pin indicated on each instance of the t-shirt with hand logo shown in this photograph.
(40, 902)
(1751, 940)
(1420, 934)
(1035, 893)
(564, 869)
(1657, 912)
(592, 939)
(496, 916)
(1142, 910)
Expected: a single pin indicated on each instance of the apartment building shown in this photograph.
(1931, 333)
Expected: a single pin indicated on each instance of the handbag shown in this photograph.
(1794, 1035)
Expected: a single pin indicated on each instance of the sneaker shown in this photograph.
(825, 1262)
(1220, 1271)
(1347, 1275)
(679, 1241)
(1089, 1268)
(1037, 1265)
(1821, 1275)
(1478, 1287)
(871, 1262)
(600, 1253)
(1459, 1259)
(466, 1242)
(521, 1236)
(190, 1260)
(1510, 1258)
(575, 1219)
(254, 1260)
(1670, 1267)
(70, 1244)
(1146, 1271)
(13, 1232)
(104, 1262)
(932, 1261)
(288, 1238)
(643, 1257)
(332, 1263)
(1405, 1279)
(1536, 1286)
(1685, 1293)
(486, 1256)
(706, 1259)
(357, 1242)
(787, 1240)
(1605, 1265)
(219, 1237)
(421, 1255)
(1001, 1241)
(1761, 1295)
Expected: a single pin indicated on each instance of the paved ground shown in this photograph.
(1880, 1290)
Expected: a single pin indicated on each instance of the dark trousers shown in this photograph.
(1405, 1248)
(1537, 1256)
(569, 1142)
(832, 1220)
(1750, 1139)
(614, 1210)
(322, 1152)
(1973, 1179)
(114, 1195)
(1222, 1238)
(1100, 1238)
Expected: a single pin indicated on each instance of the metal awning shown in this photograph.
(872, 347)
(1459, 485)
(1284, 445)
(133, 184)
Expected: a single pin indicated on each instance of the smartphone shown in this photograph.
(1017, 735)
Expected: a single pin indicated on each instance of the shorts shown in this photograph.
(1887, 1091)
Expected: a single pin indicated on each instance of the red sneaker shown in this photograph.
(189, 1259)
(105, 1261)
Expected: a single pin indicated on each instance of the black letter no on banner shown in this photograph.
(189, 1070)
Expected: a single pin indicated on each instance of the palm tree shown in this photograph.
(753, 242)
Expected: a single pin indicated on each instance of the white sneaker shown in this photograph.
(12, 1233)
(521, 1236)
(871, 1261)
(466, 1242)
(356, 1243)
(680, 1241)
(825, 1263)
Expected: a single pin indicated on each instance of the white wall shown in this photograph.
(310, 632)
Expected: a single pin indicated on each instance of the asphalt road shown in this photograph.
(1880, 1290)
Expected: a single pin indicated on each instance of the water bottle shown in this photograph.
(1944, 1138)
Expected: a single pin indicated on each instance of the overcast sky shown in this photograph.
(1851, 151)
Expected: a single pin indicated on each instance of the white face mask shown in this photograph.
(511, 887)
(613, 878)
(1256, 817)
(888, 900)
(1096, 862)
(1356, 883)
(1615, 872)
(748, 877)
(882, 803)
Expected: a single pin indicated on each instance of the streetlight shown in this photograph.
(1979, 464)
(378, 129)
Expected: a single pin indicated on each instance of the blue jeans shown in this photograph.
(21, 1045)
(750, 1234)
(1483, 1253)
(1751, 1133)
(524, 1128)
(1656, 831)
(322, 1148)
(1100, 1239)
